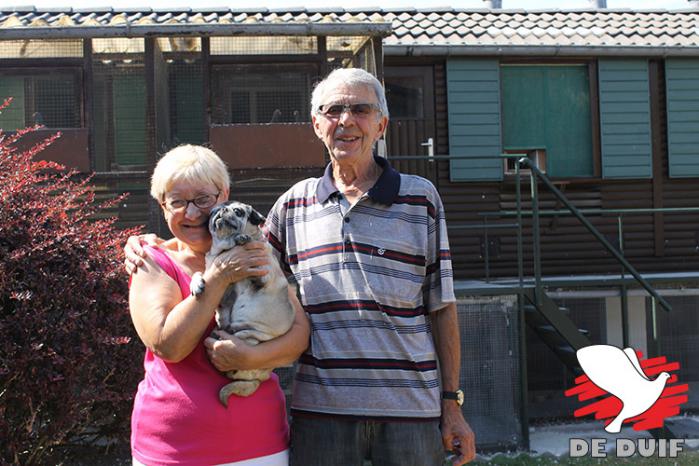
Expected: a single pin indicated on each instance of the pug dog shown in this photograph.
(255, 309)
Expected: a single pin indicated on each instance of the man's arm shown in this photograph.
(134, 252)
(457, 435)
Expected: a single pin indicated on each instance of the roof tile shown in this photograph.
(444, 26)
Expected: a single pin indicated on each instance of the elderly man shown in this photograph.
(368, 247)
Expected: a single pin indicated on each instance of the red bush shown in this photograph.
(69, 359)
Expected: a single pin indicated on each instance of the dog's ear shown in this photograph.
(255, 218)
(216, 209)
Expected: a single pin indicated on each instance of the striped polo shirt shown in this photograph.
(368, 275)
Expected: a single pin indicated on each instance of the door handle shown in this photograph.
(430, 147)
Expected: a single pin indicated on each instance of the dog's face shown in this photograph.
(233, 218)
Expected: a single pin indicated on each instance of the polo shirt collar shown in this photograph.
(384, 191)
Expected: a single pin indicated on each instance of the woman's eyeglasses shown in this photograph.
(357, 110)
(204, 201)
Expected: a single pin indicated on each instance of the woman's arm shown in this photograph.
(232, 353)
(172, 327)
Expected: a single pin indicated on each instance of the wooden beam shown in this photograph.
(378, 57)
(88, 96)
(323, 56)
(206, 83)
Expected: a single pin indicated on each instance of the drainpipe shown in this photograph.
(598, 4)
(493, 4)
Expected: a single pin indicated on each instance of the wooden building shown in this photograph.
(605, 101)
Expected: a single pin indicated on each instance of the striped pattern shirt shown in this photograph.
(369, 275)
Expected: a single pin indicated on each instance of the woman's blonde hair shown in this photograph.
(195, 164)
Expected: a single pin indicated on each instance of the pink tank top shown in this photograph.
(177, 418)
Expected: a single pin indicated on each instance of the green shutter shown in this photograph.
(12, 117)
(624, 104)
(682, 81)
(473, 88)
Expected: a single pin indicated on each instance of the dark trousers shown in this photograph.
(328, 441)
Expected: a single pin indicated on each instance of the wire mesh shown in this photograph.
(179, 44)
(47, 97)
(116, 45)
(119, 109)
(350, 44)
(678, 338)
(187, 103)
(36, 48)
(264, 45)
(490, 375)
(286, 380)
(365, 58)
(261, 93)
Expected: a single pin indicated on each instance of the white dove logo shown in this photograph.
(619, 372)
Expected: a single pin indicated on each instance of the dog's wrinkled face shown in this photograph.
(234, 218)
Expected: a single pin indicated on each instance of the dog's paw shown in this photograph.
(197, 285)
(242, 239)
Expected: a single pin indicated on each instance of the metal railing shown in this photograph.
(536, 176)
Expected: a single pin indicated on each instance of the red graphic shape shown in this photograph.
(607, 406)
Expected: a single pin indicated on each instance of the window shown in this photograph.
(412, 126)
(46, 97)
(405, 96)
(261, 93)
(547, 107)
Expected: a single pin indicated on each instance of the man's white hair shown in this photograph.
(348, 77)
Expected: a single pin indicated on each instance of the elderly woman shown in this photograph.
(177, 418)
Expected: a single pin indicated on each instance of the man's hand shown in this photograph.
(134, 253)
(457, 435)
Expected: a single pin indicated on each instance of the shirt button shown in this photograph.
(347, 220)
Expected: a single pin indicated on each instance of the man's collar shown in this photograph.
(384, 191)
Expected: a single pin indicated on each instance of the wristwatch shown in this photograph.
(457, 396)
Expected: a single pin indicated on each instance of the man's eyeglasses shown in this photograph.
(357, 110)
(204, 201)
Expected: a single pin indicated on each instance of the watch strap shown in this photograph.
(450, 395)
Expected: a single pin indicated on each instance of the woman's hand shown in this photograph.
(134, 253)
(229, 352)
(240, 262)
